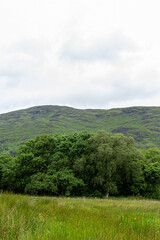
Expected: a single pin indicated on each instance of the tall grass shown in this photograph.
(27, 218)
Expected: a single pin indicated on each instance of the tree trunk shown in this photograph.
(107, 194)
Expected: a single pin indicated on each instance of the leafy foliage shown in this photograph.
(82, 164)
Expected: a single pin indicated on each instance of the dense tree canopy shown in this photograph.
(82, 164)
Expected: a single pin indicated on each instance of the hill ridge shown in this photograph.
(142, 123)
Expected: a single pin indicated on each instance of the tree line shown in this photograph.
(82, 164)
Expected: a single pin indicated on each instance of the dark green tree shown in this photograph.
(115, 159)
(150, 186)
(7, 171)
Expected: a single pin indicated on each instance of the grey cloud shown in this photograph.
(108, 50)
(114, 90)
(25, 63)
(27, 81)
(31, 47)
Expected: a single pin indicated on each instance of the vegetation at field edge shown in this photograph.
(82, 164)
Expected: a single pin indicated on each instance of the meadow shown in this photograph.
(30, 217)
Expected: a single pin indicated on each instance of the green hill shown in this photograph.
(142, 123)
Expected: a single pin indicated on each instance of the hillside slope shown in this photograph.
(143, 123)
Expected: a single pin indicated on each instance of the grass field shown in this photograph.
(25, 217)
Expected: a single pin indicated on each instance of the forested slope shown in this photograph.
(142, 123)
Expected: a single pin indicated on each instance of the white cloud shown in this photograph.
(107, 50)
(80, 53)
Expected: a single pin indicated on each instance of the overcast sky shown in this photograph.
(79, 53)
